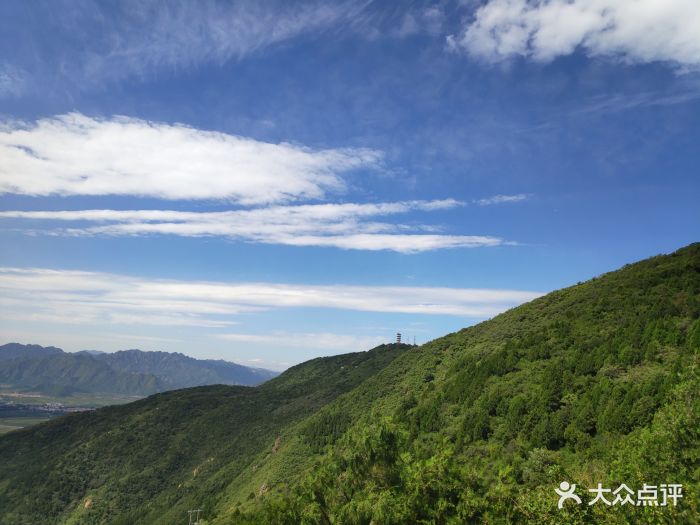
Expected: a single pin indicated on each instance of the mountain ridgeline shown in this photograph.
(18, 351)
(181, 371)
(596, 383)
(52, 371)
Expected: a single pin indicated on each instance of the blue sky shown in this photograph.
(270, 182)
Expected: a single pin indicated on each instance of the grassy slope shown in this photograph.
(164, 454)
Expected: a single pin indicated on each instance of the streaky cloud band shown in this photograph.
(347, 226)
(91, 298)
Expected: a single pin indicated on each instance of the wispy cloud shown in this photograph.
(101, 42)
(418, 20)
(139, 38)
(13, 81)
(631, 30)
(688, 92)
(94, 298)
(347, 226)
(501, 199)
(77, 155)
(277, 216)
(404, 243)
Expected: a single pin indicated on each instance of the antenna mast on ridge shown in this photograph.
(192, 513)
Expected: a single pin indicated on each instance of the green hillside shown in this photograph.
(159, 456)
(597, 383)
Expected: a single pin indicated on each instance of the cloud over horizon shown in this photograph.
(94, 298)
(635, 31)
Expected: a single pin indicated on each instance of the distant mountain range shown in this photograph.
(52, 371)
(15, 350)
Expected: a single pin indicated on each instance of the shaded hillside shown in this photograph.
(170, 451)
(596, 383)
(181, 371)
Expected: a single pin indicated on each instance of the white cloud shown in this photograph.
(68, 297)
(500, 199)
(77, 155)
(412, 243)
(279, 216)
(633, 30)
(346, 226)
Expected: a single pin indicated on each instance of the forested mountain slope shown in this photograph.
(596, 383)
(149, 461)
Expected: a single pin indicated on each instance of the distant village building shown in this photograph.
(398, 338)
